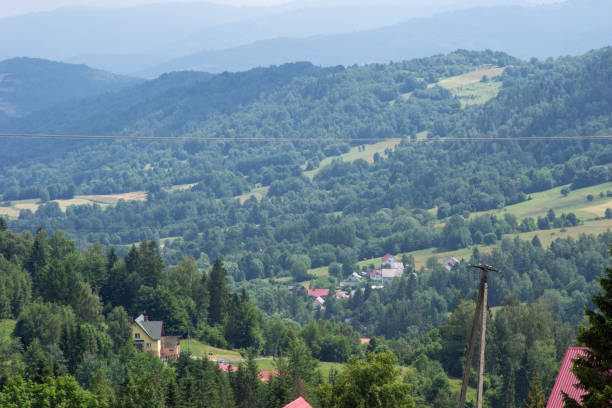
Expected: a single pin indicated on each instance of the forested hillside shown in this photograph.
(30, 84)
(216, 238)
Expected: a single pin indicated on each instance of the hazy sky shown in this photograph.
(15, 7)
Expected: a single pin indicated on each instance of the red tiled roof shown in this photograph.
(298, 403)
(365, 340)
(317, 292)
(566, 380)
(226, 367)
(387, 256)
(375, 272)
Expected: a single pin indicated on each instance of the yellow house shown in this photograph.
(147, 334)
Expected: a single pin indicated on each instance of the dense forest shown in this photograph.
(224, 268)
(72, 331)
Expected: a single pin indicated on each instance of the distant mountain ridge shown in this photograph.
(31, 84)
(553, 30)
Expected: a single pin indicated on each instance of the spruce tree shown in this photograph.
(536, 397)
(218, 292)
(593, 369)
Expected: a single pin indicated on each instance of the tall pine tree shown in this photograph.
(594, 369)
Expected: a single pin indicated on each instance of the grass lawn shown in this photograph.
(320, 271)
(200, 349)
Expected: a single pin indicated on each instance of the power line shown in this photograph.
(293, 140)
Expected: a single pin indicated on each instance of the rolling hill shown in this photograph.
(29, 84)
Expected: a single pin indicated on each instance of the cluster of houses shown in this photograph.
(390, 268)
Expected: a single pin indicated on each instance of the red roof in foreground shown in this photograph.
(387, 256)
(317, 292)
(264, 375)
(298, 403)
(566, 380)
(226, 367)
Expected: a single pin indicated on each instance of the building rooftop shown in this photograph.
(566, 380)
(298, 403)
(153, 328)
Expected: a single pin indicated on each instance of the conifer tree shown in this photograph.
(218, 292)
(594, 367)
(536, 397)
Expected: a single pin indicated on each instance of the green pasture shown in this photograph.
(477, 93)
(576, 201)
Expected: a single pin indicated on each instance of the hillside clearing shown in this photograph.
(469, 78)
(367, 154)
(468, 87)
(258, 193)
(576, 201)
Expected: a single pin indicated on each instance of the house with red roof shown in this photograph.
(376, 275)
(388, 258)
(298, 403)
(317, 292)
(566, 380)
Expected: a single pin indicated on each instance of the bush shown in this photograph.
(489, 238)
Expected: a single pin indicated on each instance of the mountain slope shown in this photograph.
(28, 84)
(572, 28)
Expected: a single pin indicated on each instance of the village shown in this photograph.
(390, 268)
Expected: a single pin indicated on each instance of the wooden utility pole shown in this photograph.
(479, 314)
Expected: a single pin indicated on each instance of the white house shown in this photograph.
(389, 274)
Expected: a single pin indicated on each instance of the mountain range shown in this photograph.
(149, 40)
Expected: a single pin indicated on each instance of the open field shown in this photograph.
(258, 193)
(101, 199)
(476, 94)
(182, 187)
(354, 154)
(9, 211)
(547, 236)
(468, 88)
(469, 78)
(114, 198)
(576, 202)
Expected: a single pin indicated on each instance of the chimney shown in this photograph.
(146, 318)
(131, 319)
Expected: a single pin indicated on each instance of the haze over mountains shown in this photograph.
(149, 40)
